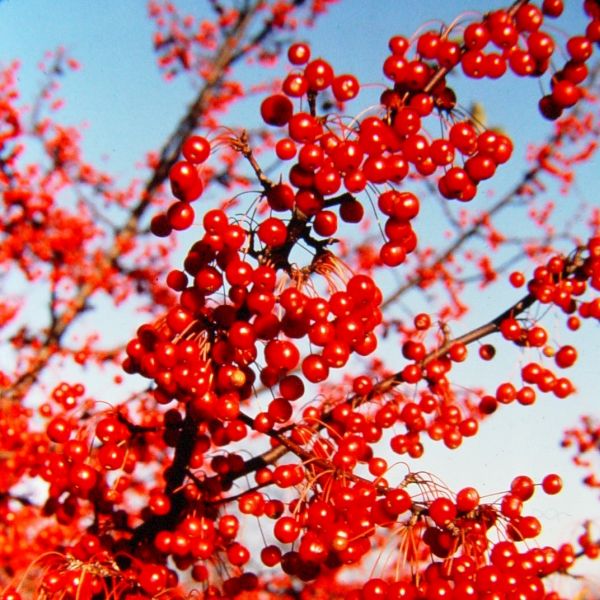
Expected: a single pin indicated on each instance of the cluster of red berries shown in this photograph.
(376, 150)
(518, 42)
(455, 531)
(204, 346)
(316, 76)
(553, 284)
(186, 185)
(562, 282)
(413, 98)
(584, 438)
(510, 573)
(67, 395)
(247, 314)
(323, 531)
(533, 374)
(335, 528)
(439, 419)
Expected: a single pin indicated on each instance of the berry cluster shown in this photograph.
(262, 353)
(246, 313)
(186, 186)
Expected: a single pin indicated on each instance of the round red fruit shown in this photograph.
(276, 110)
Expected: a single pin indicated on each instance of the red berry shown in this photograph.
(467, 499)
(522, 487)
(196, 149)
(442, 511)
(186, 184)
(566, 357)
(298, 53)
(180, 215)
(345, 87)
(286, 530)
(276, 110)
(319, 74)
(272, 232)
(552, 484)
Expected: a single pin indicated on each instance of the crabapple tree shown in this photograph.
(304, 316)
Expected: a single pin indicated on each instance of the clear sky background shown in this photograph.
(126, 109)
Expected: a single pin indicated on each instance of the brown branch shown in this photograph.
(242, 146)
